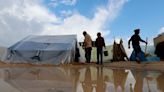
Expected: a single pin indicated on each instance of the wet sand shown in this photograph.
(121, 64)
(82, 77)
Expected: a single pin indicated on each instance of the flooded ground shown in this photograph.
(76, 78)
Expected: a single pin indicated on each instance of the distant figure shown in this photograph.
(136, 43)
(100, 43)
(77, 54)
(87, 46)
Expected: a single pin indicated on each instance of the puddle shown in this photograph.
(79, 79)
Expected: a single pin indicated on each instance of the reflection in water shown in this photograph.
(160, 82)
(120, 77)
(139, 81)
(101, 85)
(87, 83)
(79, 79)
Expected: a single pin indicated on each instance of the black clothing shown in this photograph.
(77, 55)
(159, 51)
(88, 54)
(135, 40)
(136, 44)
(99, 45)
(100, 42)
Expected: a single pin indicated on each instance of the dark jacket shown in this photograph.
(136, 40)
(100, 42)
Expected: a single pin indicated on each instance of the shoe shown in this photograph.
(138, 60)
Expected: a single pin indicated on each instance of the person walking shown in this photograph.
(87, 45)
(99, 43)
(136, 43)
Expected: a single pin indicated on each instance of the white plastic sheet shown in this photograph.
(43, 50)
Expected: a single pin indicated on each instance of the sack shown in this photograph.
(105, 53)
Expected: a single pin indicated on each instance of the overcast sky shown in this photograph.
(113, 18)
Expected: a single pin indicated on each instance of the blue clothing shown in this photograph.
(140, 55)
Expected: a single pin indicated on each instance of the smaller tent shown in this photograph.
(119, 53)
(43, 50)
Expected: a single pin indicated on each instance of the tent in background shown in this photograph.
(43, 50)
(3, 52)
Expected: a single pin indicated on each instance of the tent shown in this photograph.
(119, 53)
(57, 49)
(3, 52)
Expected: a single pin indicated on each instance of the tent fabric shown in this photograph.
(3, 52)
(57, 49)
(119, 53)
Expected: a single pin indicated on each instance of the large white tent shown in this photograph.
(43, 50)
